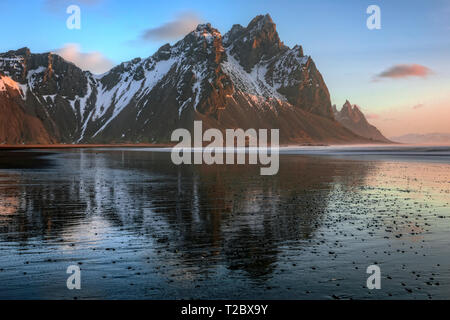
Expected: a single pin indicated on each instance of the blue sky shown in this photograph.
(333, 32)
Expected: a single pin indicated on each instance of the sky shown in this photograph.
(399, 75)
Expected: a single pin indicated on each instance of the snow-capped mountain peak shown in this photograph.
(246, 78)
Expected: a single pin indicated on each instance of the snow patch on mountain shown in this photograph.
(128, 89)
(157, 71)
(13, 64)
(199, 75)
(286, 65)
(50, 96)
(253, 83)
(33, 76)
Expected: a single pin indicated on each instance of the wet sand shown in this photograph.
(7, 147)
(24, 160)
(142, 228)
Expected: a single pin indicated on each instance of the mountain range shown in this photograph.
(429, 138)
(246, 78)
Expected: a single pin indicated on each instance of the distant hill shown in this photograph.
(430, 138)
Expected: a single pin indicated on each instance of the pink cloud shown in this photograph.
(94, 61)
(418, 106)
(404, 71)
(372, 116)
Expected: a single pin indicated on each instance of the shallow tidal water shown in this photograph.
(140, 227)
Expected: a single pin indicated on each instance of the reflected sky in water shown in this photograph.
(142, 228)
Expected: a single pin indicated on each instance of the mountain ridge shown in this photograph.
(246, 79)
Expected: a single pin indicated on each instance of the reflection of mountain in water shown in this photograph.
(212, 215)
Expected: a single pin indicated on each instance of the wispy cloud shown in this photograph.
(184, 23)
(94, 61)
(418, 106)
(401, 71)
(372, 116)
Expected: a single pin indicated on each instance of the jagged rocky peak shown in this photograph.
(346, 110)
(206, 31)
(204, 35)
(263, 31)
(354, 119)
(258, 41)
(22, 52)
(204, 85)
(280, 72)
(210, 40)
(347, 105)
(46, 73)
(353, 112)
(263, 27)
(235, 31)
(12, 63)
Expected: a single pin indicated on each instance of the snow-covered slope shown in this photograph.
(247, 78)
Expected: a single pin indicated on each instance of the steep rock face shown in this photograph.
(246, 79)
(259, 41)
(287, 71)
(16, 125)
(352, 118)
(50, 87)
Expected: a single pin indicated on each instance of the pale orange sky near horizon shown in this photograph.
(430, 116)
(406, 105)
